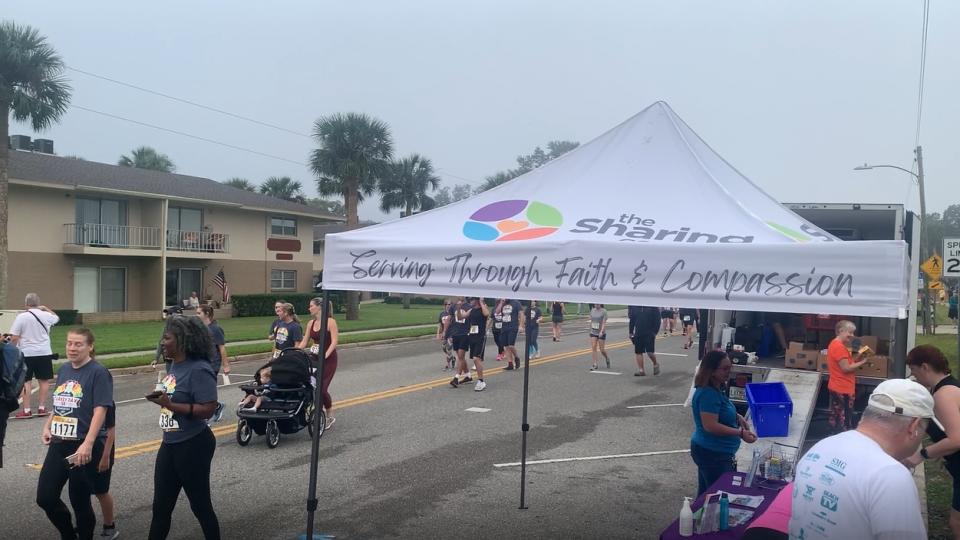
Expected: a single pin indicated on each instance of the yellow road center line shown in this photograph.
(151, 446)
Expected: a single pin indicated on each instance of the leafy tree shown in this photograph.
(145, 157)
(353, 154)
(407, 184)
(444, 196)
(32, 88)
(241, 183)
(529, 162)
(461, 192)
(283, 187)
(934, 233)
(951, 220)
(330, 207)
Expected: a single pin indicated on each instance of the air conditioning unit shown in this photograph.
(846, 233)
(20, 142)
(43, 146)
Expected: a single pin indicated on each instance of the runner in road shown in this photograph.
(512, 316)
(497, 321)
(598, 335)
(477, 336)
(666, 316)
(288, 331)
(101, 484)
(557, 311)
(330, 354)
(219, 356)
(75, 435)
(443, 331)
(689, 318)
(644, 324)
(534, 314)
(459, 311)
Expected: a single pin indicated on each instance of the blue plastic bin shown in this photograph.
(770, 408)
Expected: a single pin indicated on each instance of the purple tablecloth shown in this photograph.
(725, 483)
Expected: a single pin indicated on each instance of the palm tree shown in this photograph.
(406, 185)
(282, 187)
(352, 155)
(240, 183)
(145, 157)
(32, 87)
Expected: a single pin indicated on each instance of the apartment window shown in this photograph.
(283, 226)
(184, 219)
(283, 280)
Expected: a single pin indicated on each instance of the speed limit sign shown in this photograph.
(951, 257)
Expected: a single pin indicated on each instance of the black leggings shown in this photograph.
(54, 474)
(184, 465)
(496, 339)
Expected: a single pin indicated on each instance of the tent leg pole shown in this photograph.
(524, 426)
(317, 404)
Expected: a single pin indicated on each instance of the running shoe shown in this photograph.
(454, 382)
(330, 421)
(499, 357)
(480, 386)
(42, 411)
(640, 374)
(594, 367)
(608, 363)
(23, 415)
(466, 380)
(656, 369)
(509, 367)
(218, 413)
(109, 533)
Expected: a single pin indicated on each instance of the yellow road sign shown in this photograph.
(936, 285)
(933, 267)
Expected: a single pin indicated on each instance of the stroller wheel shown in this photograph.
(244, 433)
(311, 419)
(273, 434)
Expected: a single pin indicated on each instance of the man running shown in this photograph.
(443, 335)
(512, 316)
(459, 312)
(477, 336)
(689, 318)
(644, 324)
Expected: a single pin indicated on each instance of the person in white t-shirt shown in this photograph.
(31, 333)
(853, 485)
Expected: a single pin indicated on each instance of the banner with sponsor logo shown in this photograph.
(644, 214)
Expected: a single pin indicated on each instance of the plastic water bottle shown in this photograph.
(724, 512)
(686, 518)
(159, 386)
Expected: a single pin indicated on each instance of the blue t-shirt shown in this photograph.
(709, 399)
(458, 324)
(190, 381)
(77, 393)
(288, 334)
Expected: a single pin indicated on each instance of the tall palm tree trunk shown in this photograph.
(350, 204)
(4, 190)
(406, 297)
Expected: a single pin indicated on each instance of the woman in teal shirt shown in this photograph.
(718, 428)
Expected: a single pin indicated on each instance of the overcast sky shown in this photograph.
(793, 94)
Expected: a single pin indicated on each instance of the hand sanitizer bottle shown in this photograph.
(686, 518)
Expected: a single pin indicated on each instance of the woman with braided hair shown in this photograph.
(188, 399)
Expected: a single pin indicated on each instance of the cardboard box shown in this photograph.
(876, 366)
(801, 356)
(822, 361)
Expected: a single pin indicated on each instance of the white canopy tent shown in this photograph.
(645, 214)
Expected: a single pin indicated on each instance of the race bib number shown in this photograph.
(315, 349)
(167, 423)
(276, 354)
(64, 427)
(474, 329)
(459, 320)
(594, 326)
(498, 325)
(507, 318)
(686, 318)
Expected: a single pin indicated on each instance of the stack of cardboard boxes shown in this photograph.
(810, 356)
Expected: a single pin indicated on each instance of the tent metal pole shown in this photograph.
(317, 404)
(524, 426)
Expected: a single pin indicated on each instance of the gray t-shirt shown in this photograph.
(597, 316)
(510, 313)
(77, 392)
(190, 381)
(218, 339)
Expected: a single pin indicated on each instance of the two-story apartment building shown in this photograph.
(104, 238)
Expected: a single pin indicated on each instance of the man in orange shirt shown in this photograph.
(842, 366)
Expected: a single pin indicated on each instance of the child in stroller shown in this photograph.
(258, 395)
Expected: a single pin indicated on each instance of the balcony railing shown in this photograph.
(198, 241)
(112, 236)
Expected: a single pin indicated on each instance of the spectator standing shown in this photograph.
(842, 366)
(218, 356)
(31, 333)
(853, 485)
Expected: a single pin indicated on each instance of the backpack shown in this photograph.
(13, 370)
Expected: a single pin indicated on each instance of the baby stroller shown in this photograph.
(290, 405)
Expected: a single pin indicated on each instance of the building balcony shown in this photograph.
(197, 243)
(94, 238)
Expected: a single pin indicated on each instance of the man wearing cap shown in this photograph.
(852, 485)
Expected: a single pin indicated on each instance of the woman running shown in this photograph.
(557, 310)
(496, 318)
(287, 330)
(689, 318)
(75, 434)
(598, 334)
(534, 315)
(330, 354)
(188, 399)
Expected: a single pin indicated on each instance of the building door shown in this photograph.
(85, 285)
(181, 282)
(113, 289)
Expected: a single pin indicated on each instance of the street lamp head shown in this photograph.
(863, 167)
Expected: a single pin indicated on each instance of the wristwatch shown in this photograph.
(924, 454)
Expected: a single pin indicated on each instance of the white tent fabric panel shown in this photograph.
(644, 214)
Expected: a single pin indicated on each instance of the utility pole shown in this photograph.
(925, 299)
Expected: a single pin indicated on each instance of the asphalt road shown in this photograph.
(407, 459)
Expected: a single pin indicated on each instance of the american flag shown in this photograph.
(221, 282)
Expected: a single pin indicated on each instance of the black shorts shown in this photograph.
(39, 367)
(644, 343)
(508, 337)
(101, 482)
(460, 343)
(601, 337)
(477, 344)
(666, 314)
(558, 319)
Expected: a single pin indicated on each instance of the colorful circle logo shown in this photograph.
(504, 221)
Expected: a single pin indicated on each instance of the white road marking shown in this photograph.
(656, 405)
(670, 354)
(477, 409)
(594, 458)
(607, 372)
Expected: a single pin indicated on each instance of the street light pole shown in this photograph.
(923, 242)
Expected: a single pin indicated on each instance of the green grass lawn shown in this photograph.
(939, 482)
(127, 337)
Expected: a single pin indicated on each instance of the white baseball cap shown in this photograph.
(904, 397)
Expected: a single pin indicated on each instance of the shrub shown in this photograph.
(414, 300)
(258, 305)
(67, 316)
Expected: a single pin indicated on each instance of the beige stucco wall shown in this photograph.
(36, 218)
